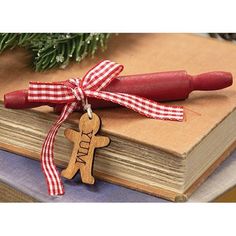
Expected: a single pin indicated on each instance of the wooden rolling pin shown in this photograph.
(160, 86)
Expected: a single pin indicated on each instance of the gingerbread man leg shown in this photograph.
(72, 167)
(86, 173)
(71, 170)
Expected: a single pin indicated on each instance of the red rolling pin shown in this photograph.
(160, 86)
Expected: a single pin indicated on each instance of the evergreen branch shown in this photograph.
(225, 36)
(55, 49)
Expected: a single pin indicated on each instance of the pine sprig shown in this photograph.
(55, 49)
(225, 36)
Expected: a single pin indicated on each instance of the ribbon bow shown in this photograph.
(73, 93)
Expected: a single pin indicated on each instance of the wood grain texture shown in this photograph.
(85, 142)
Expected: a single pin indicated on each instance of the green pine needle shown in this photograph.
(55, 49)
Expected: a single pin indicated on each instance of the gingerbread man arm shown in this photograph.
(72, 135)
(101, 141)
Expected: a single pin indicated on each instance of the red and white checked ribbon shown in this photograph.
(73, 92)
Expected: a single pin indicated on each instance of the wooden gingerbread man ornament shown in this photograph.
(85, 143)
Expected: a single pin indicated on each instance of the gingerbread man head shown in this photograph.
(86, 124)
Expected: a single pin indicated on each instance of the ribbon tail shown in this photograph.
(54, 183)
(141, 105)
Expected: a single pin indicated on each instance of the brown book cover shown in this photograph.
(146, 53)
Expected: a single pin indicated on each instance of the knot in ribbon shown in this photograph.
(76, 88)
(73, 93)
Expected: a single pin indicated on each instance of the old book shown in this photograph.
(164, 158)
(21, 180)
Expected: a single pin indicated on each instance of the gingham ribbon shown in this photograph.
(73, 92)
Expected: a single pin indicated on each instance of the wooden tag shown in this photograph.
(85, 143)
